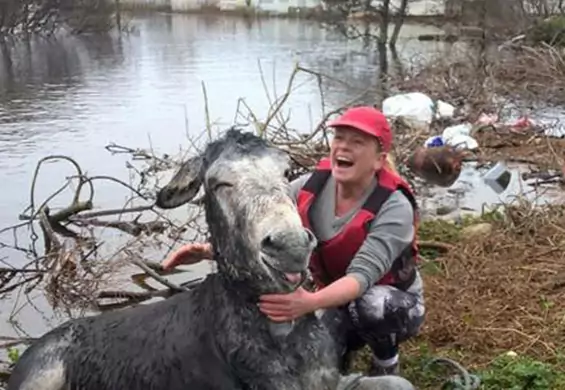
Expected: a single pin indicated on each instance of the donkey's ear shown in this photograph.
(184, 185)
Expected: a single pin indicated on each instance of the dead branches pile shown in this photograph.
(478, 80)
(502, 291)
(543, 153)
(532, 73)
(69, 252)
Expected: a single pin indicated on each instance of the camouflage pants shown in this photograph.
(382, 318)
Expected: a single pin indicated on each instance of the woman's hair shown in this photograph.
(390, 163)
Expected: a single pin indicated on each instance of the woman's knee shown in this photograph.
(385, 309)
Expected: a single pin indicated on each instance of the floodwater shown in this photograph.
(74, 96)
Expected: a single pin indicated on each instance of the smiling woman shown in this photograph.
(364, 217)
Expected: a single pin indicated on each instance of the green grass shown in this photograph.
(550, 31)
(505, 372)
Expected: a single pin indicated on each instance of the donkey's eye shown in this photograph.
(221, 184)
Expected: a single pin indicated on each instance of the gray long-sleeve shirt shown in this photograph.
(390, 233)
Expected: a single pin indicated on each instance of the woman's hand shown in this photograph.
(288, 307)
(188, 254)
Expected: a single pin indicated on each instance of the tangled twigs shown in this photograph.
(134, 228)
(7, 342)
(71, 266)
(139, 154)
(439, 246)
(140, 278)
(128, 298)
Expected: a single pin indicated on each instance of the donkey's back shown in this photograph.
(164, 345)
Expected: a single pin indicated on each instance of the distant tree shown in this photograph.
(369, 21)
(343, 14)
(45, 17)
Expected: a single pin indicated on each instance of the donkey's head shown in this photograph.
(255, 228)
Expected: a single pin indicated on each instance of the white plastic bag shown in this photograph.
(414, 106)
(444, 110)
(462, 141)
(457, 130)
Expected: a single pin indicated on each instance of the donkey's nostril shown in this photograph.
(277, 242)
(268, 242)
(288, 240)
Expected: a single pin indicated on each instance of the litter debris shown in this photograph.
(434, 141)
(498, 177)
(414, 107)
(457, 136)
(520, 125)
(452, 131)
(523, 123)
(487, 119)
(462, 141)
(444, 110)
(438, 165)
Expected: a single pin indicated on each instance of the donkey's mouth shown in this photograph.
(291, 277)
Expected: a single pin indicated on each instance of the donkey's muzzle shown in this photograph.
(291, 248)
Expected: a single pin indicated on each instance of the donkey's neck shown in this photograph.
(240, 291)
(270, 355)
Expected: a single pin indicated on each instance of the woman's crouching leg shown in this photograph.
(384, 317)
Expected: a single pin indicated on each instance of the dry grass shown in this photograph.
(544, 152)
(492, 294)
(501, 292)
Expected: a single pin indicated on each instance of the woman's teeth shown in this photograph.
(344, 162)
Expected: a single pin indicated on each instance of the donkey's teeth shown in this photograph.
(293, 277)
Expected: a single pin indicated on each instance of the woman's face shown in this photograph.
(355, 156)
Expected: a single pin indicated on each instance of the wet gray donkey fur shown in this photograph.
(213, 336)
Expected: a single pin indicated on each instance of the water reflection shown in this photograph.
(29, 66)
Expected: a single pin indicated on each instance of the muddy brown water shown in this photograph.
(74, 96)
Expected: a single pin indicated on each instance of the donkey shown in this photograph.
(212, 336)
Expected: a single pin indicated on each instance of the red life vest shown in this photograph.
(330, 260)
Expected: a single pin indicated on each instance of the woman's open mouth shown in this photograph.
(343, 162)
